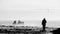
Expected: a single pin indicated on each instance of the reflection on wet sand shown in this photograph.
(23, 30)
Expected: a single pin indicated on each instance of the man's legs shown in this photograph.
(44, 27)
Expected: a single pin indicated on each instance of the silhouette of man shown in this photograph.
(44, 24)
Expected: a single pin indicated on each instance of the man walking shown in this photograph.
(44, 24)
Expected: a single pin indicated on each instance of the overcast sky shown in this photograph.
(30, 9)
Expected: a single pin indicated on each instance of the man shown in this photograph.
(44, 24)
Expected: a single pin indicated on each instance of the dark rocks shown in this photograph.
(57, 31)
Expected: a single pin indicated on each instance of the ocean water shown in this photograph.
(32, 23)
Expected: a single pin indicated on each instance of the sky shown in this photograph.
(28, 10)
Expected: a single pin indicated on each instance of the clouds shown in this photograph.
(30, 3)
(26, 8)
